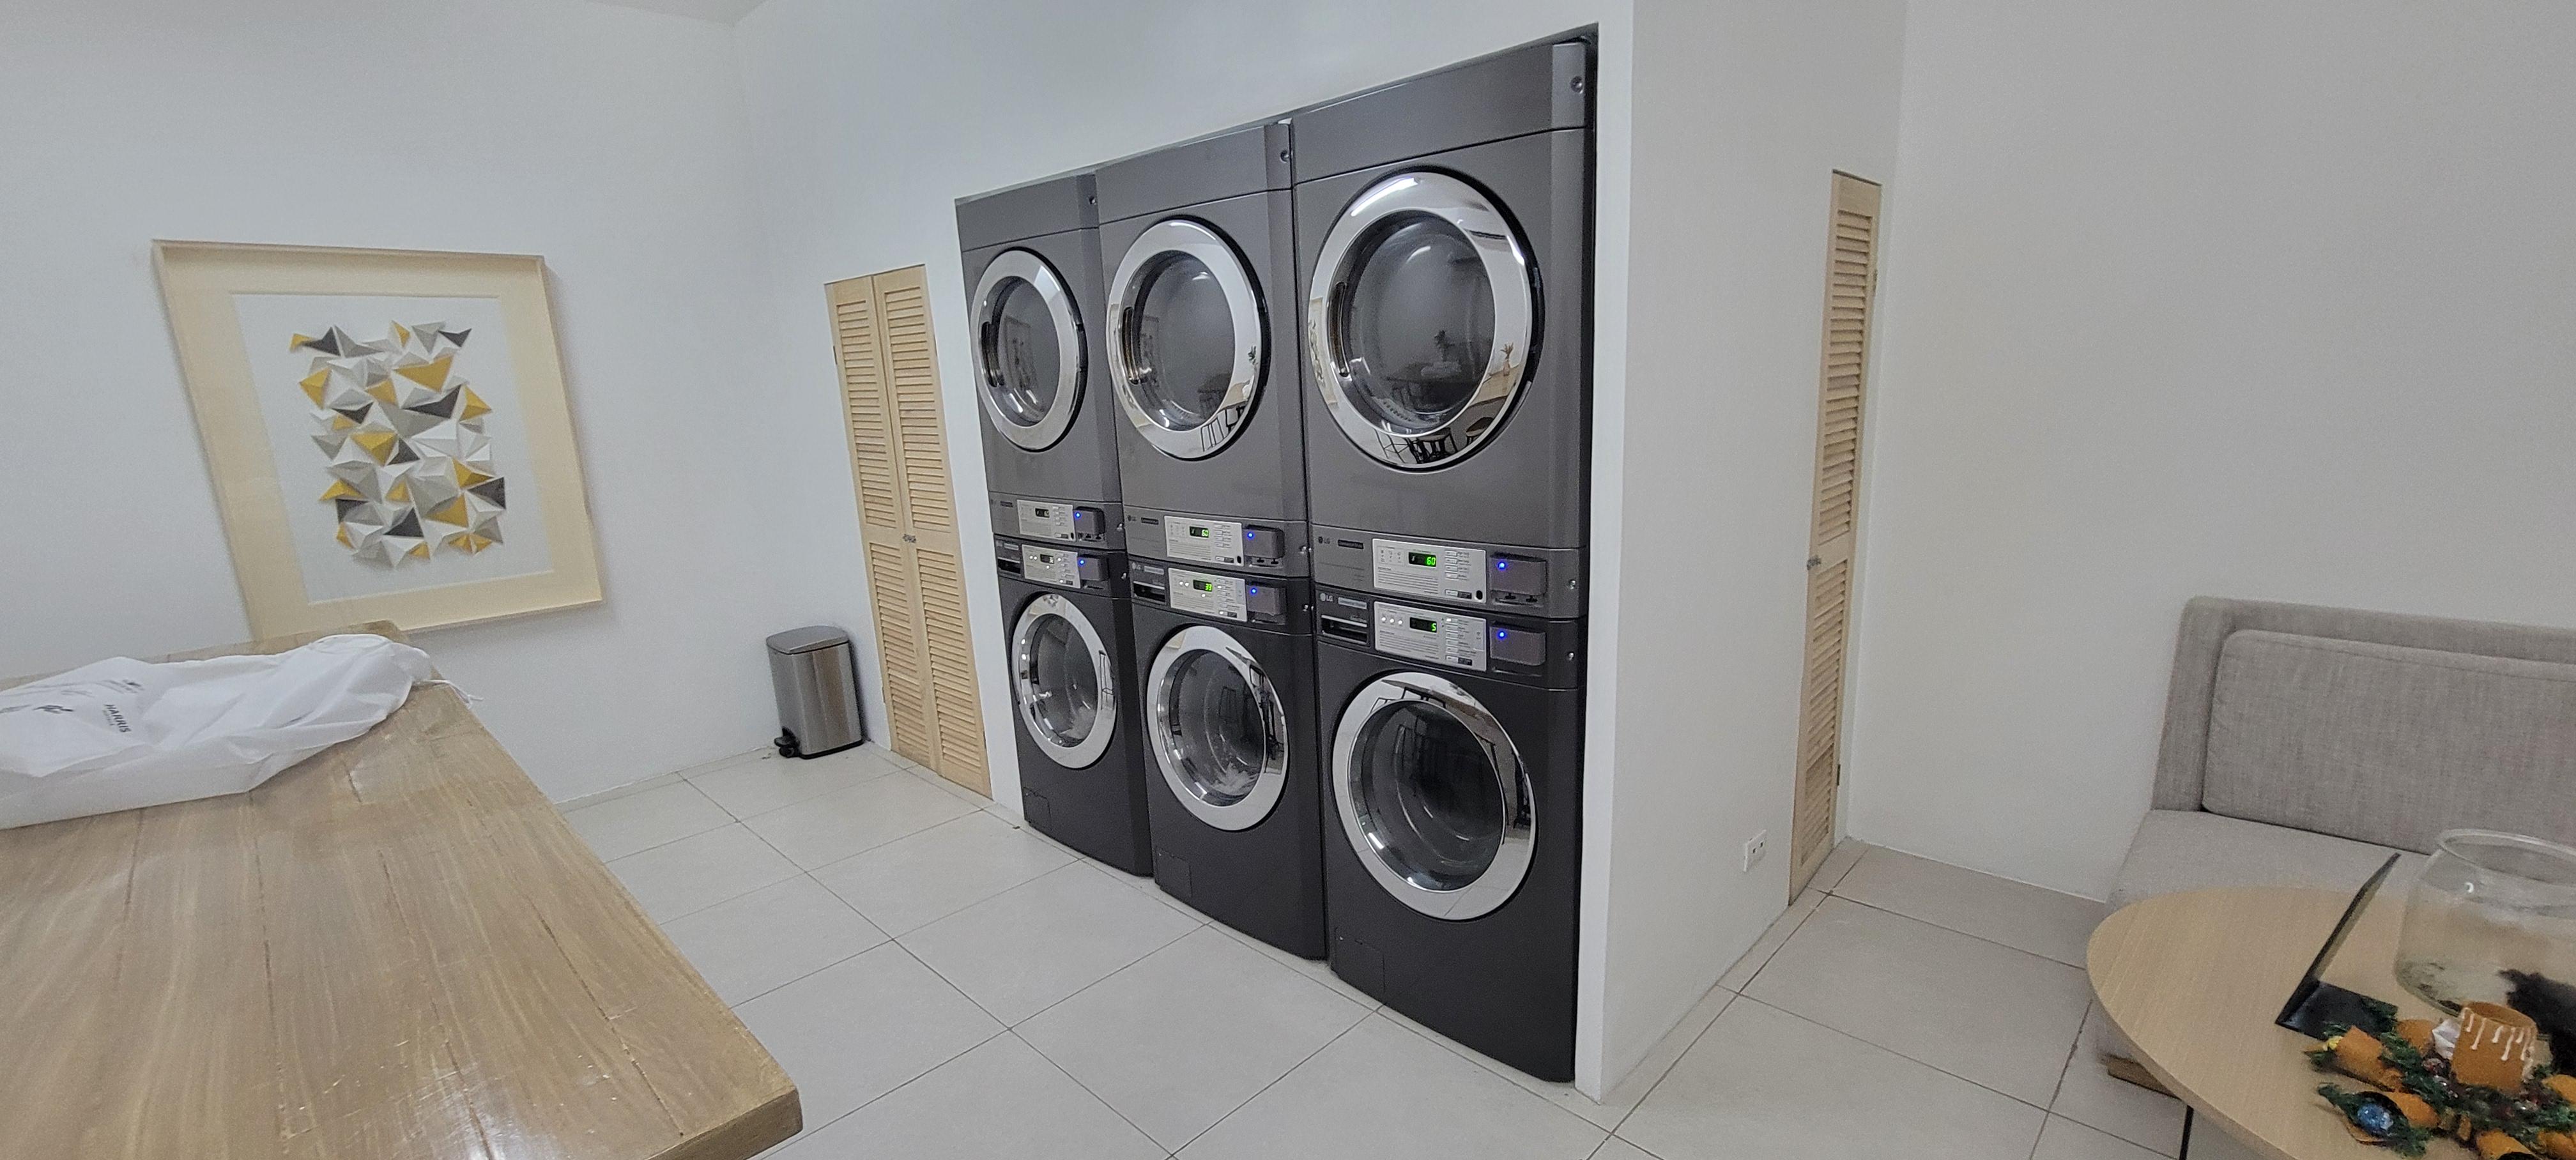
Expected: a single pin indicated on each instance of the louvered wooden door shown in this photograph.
(1851, 277)
(908, 517)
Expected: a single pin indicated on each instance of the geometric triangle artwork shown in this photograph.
(404, 443)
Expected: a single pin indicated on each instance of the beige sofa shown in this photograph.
(2304, 744)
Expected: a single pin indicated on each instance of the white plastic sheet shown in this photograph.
(122, 734)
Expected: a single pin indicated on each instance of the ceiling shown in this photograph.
(720, 11)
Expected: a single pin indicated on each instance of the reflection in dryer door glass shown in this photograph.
(1066, 701)
(1429, 796)
(1417, 325)
(1219, 733)
(1022, 365)
(1180, 343)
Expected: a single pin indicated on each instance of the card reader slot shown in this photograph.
(1357, 630)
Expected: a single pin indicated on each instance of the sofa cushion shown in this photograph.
(2179, 850)
(2390, 745)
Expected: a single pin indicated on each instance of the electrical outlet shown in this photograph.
(1753, 848)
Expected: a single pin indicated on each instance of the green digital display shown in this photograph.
(1203, 585)
(1201, 533)
(1422, 559)
(1425, 624)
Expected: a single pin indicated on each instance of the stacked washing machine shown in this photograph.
(1032, 263)
(1444, 241)
(1296, 584)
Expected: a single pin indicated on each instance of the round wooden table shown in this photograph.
(2194, 980)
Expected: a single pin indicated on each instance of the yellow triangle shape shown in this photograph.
(472, 405)
(401, 334)
(451, 512)
(340, 489)
(313, 384)
(378, 444)
(467, 476)
(344, 537)
(400, 492)
(297, 342)
(432, 375)
(383, 391)
(419, 550)
(468, 541)
(342, 423)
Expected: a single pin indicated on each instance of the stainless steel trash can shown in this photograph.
(818, 691)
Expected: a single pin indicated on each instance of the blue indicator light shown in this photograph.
(1499, 634)
(1254, 589)
(1499, 565)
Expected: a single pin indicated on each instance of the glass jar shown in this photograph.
(2493, 919)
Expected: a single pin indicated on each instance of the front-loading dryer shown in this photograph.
(1073, 704)
(1225, 667)
(1453, 746)
(1202, 349)
(1031, 256)
(1444, 251)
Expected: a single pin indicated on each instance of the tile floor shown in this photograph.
(943, 983)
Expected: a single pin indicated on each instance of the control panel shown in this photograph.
(1206, 541)
(1425, 634)
(1435, 571)
(1061, 521)
(1242, 599)
(1207, 594)
(1053, 566)
(1540, 582)
(1184, 538)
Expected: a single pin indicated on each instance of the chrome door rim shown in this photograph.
(1273, 778)
(1502, 876)
(1026, 266)
(1195, 240)
(1507, 276)
(1024, 686)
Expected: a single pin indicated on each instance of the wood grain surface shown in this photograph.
(394, 949)
(2195, 979)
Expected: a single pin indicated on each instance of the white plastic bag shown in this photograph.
(122, 734)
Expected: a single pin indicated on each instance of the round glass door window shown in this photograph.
(1420, 319)
(1028, 349)
(1433, 796)
(1187, 346)
(1062, 682)
(1219, 729)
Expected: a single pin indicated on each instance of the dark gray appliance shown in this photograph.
(1031, 256)
(1454, 767)
(1073, 703)
(1225, 670)
(1202, 347)
(1444, 246)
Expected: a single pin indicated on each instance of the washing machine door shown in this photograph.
(1433, 795)
(1420, 319)
(1028, 349)
(1062, 681)
(1219, 729)
(1186, 344)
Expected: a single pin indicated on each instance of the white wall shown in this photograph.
(610, 141)
(872, 119)
(2269, 301)
(1743, 111)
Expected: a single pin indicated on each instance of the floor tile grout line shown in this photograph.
(1121, 969)
(1275, 1081)
(1460, 1050)
(1765, 965)
(979, 1005)
(1952, 929)
(886, 939)
(1670, 1068)
(906, 838)
(925, 1073)
(1014, 1032)
(1901, 1055)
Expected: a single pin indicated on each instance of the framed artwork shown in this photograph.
(387, 430)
